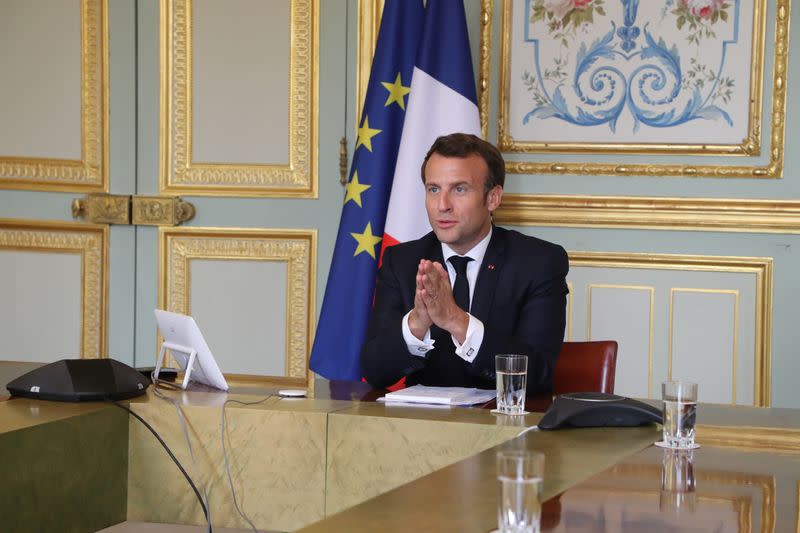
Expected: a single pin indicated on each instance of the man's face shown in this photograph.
(458, 209)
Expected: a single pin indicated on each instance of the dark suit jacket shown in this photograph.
(520, 296)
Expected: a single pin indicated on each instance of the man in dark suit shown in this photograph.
(447, 303)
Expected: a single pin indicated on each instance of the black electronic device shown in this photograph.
(78, 380)
(597, 409)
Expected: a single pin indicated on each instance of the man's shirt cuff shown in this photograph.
(472, 341)
(419, 347)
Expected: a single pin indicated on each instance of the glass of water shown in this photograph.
(519, 477)
(512, 379)
(680, 413)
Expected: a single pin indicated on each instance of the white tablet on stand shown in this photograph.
(183, 339)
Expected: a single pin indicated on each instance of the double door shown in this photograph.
(180, 154)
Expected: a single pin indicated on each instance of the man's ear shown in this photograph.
(493, 198)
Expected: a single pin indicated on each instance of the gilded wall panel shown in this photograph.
(178, 247)
(89, 172)
(181, 173)
(88, 241)
(752, 333)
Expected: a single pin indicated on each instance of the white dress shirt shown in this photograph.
(468, 351)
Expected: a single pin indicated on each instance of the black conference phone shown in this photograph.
(597, 409)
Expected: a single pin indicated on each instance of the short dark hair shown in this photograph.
(465, 144)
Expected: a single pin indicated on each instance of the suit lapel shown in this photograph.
(488, 275)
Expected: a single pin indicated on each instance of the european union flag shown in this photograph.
(351, 281)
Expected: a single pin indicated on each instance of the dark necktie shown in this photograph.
(461, 285)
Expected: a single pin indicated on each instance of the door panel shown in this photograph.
(252, 293)
(52, 137)
(239, 98)
(53, 282)
(236, 134)
(272, 189)
(53, 99)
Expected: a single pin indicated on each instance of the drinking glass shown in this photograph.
(680, 413)
(519, 479)
(512, 379)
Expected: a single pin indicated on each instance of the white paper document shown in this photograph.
(440, 395)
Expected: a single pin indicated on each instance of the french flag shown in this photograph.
(442, 100)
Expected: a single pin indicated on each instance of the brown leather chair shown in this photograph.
(585, 367)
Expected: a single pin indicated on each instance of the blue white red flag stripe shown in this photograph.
(442, 100)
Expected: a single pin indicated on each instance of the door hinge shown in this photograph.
(343, 161)
(137, 210)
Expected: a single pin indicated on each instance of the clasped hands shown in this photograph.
(434, 303)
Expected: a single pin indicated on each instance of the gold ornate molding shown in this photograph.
(179, 174)
(760, 267)
(484, 63)
(179, 246)
(90, 173)
(90, 242)
(103, 208)
(160, 210)
(369, 22)
(692, 214)
(749, 146)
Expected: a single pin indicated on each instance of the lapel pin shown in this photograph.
(490, 267)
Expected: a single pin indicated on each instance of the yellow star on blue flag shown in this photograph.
(356, 254)
(397, 92)
(366, 241)
(365, 135)
(354, 190)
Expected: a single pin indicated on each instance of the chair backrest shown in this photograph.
(585, 367)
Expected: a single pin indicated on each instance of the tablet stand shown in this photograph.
(191, 353)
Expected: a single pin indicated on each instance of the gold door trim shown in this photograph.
(692, 214)
(179, 174)
(90, 242)
(760, 267)
(735, 348)
(651, 321)
(179, 246)
(90, 173)
(369, 23)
